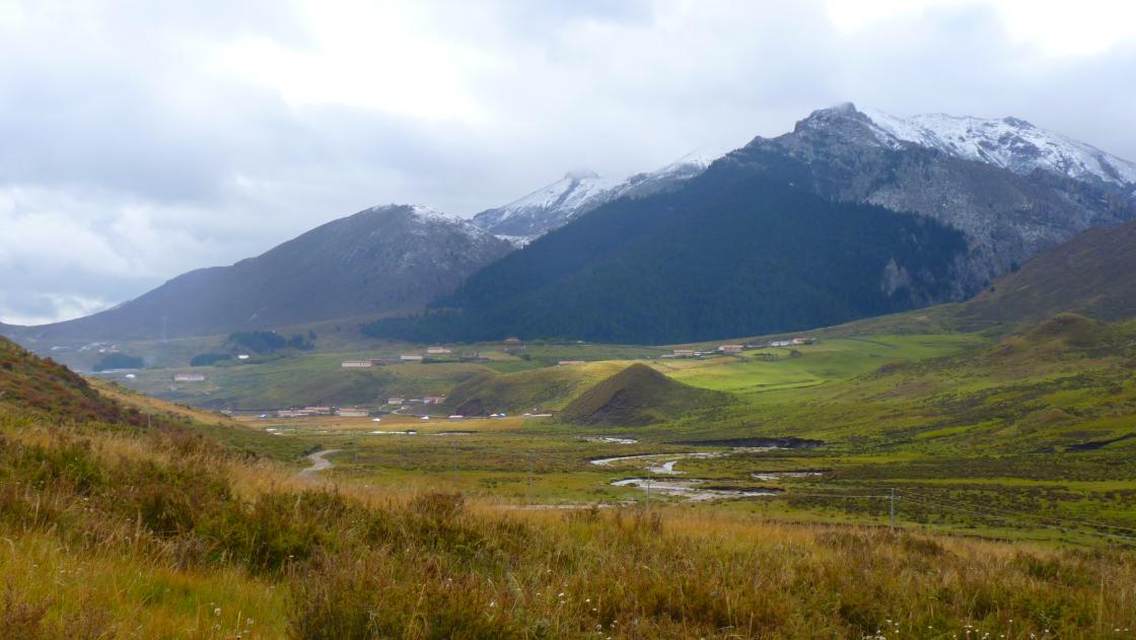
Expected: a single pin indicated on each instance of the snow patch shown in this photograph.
(1009, 143)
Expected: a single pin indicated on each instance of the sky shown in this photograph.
(142, 139)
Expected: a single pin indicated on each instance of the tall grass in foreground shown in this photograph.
(115, 534)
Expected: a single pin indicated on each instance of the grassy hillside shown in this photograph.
(639, 395)
(545, 388)
(113, 531)
(1090, 275)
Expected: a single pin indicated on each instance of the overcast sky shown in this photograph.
(139, 140)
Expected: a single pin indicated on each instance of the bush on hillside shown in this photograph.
(118, 361)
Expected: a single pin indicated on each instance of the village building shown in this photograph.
(189, 377)
(433, 399)
(356, 364)
(395, 400)
(410, 357)
(683, 353)
(435, 351)
(345, 412)
(731, 348)
(318, 410)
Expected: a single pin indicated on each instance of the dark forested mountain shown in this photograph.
(728, 254)
(1094, 274)
(396, 257)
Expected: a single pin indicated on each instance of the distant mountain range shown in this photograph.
(720, 254)
(854, 212)
(390, 258)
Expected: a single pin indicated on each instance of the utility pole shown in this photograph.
(891, 510)
(528, 489)
(649, 476)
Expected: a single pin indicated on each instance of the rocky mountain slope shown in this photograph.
(1013, 189)
(554, 205)
(387, 258)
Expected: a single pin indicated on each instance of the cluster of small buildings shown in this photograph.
(514, 345)
(189, 377)
(399, 400)
(322, 410)
(435, 353)
(311, 410)
(734, 348)
(789, 342)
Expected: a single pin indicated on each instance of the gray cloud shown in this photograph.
(141, 140)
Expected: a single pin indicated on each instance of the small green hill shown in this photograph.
(639, 396)
(548, 388)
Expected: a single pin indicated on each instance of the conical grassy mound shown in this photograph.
(639, 396)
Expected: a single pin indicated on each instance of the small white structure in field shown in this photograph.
(410, 357)
(456, 416)
(356, 364)
(189, 377)
(243, 356)
(395, 400)
(569, 363)
(437, 350)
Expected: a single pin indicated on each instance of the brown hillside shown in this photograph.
(1094, 274)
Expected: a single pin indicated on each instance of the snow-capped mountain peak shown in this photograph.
(1010, 143)
(578, 192)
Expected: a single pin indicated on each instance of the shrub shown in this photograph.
(118, 361)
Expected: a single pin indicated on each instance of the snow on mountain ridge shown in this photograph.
(1009, 143)
(577, 192)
